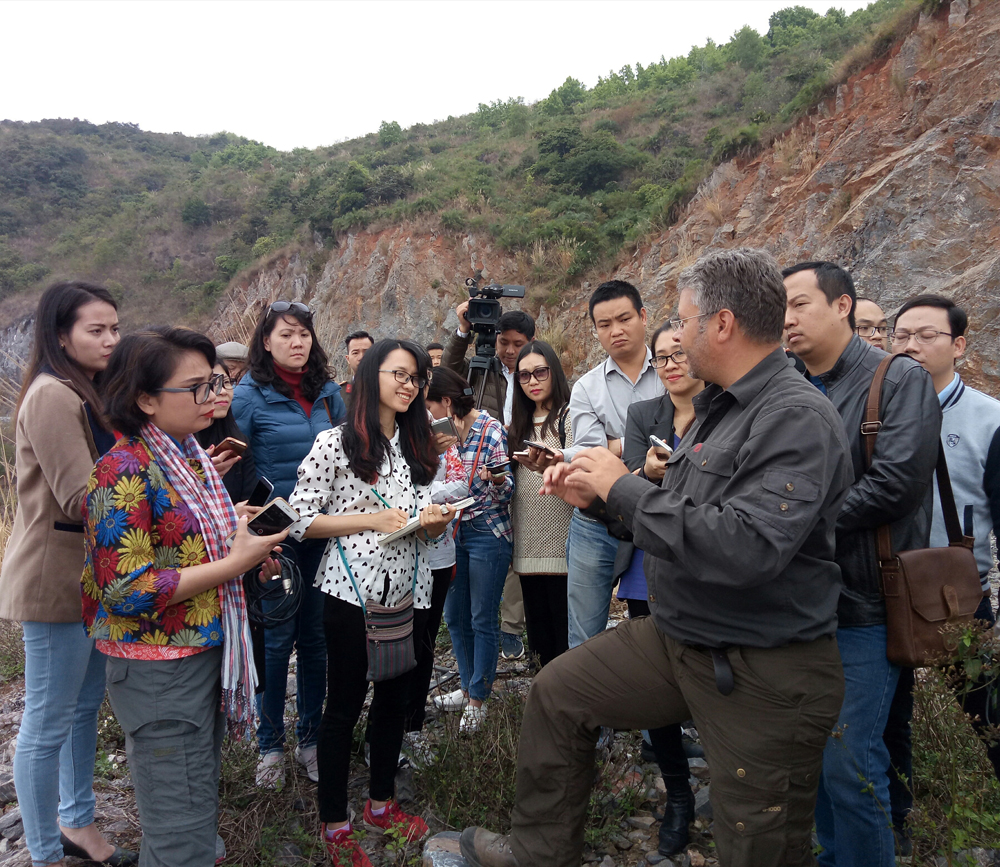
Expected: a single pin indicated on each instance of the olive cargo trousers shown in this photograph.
(763, 742)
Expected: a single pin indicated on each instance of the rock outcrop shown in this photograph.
(896, 176)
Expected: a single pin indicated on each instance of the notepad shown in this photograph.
(414, 523)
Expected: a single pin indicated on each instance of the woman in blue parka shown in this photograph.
(286, 399)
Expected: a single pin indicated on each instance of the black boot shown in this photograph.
(677, 816)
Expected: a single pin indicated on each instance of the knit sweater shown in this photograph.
(970, 431)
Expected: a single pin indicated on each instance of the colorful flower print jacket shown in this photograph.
(139, 535)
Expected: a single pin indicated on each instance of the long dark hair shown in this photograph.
(522, 421)
(364, 443)
(58, 310)
(317, 373)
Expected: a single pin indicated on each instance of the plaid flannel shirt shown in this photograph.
(492, 501)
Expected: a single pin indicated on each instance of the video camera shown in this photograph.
(484, 305)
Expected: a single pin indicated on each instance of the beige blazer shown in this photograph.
(40, 576)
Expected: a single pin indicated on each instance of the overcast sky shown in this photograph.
(304, 74)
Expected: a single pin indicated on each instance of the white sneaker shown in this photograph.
(472, 718)
(456, 700)
(306, 756)
(271, 771)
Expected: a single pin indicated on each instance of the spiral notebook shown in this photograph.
(414, 523)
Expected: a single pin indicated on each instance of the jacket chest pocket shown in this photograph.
(709, 469)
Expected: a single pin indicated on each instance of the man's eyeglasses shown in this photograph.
(202, 391)
(678, 357)
(405, 378)
(296, 307)
(678, 324)
(540, 373)
(924, 336)
(871, 330)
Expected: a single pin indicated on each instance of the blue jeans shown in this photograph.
(590, 554)
(54, 761)
(304, 632)
(852, 810)
(470, 609)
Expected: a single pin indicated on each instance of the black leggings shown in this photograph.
(546, 615)
(420, 680)
(347, 686)
(666, 740)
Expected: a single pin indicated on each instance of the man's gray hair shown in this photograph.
(746, 281)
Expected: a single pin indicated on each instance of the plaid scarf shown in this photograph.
(216, 516)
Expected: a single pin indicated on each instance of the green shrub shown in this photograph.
(454, 220)
(389, 133)
(228, 265)
(195, 212)
(263, 247)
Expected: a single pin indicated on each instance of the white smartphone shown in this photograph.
(660, 445)
(277, 516)
(444, 425)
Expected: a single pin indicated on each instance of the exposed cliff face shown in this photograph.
(897, 177)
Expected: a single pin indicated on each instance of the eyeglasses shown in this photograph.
(405, 378)
(871, 330)
(201, 392)
(540, 373)
(678, 324)
(924, 336)
(226, 382)
(678, 357)
(298, 307)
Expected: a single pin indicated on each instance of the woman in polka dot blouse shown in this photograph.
(361, 480)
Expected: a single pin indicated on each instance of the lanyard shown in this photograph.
(350, 574)
(343, 556)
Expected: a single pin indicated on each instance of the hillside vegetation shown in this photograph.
(167, 220)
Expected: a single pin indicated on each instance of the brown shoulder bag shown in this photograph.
(929, 587)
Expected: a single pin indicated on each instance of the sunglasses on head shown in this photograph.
(296, 307)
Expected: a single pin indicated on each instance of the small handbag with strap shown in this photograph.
(388, 629)
(926, 588)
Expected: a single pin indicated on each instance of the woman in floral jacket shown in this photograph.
(162, 593)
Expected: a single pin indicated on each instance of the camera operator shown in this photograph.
(515, 329)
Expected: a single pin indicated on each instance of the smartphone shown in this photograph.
(231, 444)
(276, 517)
(660, 445)
(499, 469)
(547, 449)
(444, 425)
(261, 494)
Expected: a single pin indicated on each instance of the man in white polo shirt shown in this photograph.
(598, 409)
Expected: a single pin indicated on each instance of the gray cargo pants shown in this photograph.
(169, 711)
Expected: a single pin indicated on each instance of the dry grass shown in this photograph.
(713, 208)
(11, 648)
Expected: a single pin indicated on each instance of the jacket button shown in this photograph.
(703, 463)
(783, 507)
(740, 826)
(652, 598)
(789, 487)
(740, 772)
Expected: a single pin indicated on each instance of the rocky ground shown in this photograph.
(633, 844)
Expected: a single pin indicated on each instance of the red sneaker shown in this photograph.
(411, 827)
(344, 849)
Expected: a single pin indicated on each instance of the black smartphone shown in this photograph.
(276, 517)
(542, 446)
(261, 494)
(498, 469)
